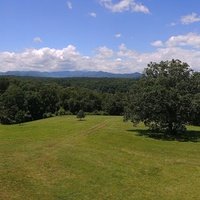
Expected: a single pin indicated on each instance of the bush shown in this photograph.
(68, 113)
(61, 112)
(80, 115)
(48, 115)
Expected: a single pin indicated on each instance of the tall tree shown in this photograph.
(163, 99)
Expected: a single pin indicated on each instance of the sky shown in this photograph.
(118, 36)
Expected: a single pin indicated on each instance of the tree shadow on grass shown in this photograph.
(188, 136)
(82, 120)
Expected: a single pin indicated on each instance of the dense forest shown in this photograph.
(24, 99)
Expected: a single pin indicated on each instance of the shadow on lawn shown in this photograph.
(81, 120)
(188, 136)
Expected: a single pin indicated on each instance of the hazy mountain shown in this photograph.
(62, 74)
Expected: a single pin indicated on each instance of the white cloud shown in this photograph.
(69, 5)
(118, 35)
(93, 14)
(124, 5)
(44, 59)
(122, 60)
(37, 40)
(157, 43)
(104, 52)
(191, 18)
(188, 40)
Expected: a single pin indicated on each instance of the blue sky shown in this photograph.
(110, 35)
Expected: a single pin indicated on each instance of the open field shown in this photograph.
(99, 158)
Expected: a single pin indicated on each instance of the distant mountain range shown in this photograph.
(63, 74)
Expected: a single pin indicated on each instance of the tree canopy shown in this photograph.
(166, 98)
(25, 98)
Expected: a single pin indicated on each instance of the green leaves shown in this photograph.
(80, 114)
(164, 98)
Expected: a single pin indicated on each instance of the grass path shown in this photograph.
(97, 127)
(100, 158)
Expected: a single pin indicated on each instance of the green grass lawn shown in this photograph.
(99, 158)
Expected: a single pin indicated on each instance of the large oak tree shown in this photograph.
(166, 98)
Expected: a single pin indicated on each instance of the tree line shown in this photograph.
(24, 99)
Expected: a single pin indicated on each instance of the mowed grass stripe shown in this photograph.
(99, 158)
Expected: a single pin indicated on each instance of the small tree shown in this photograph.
(80, 115)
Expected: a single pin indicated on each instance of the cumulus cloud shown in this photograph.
(191, 18)
(122, 60)
(188, 40)
(69, 5)
(124, 5)
(44, 59)
(104, 52)
(93, 14)
(37, 40)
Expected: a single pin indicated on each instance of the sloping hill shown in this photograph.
(99, 158)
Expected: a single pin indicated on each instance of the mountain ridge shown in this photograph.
(69, 74)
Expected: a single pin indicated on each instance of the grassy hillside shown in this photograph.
(99, 158)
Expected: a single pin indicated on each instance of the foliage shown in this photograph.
(167, 98)
(61, 112)
(80, 115)
(38, 98)
(48, 115)
(4, 83)
(100, 85)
